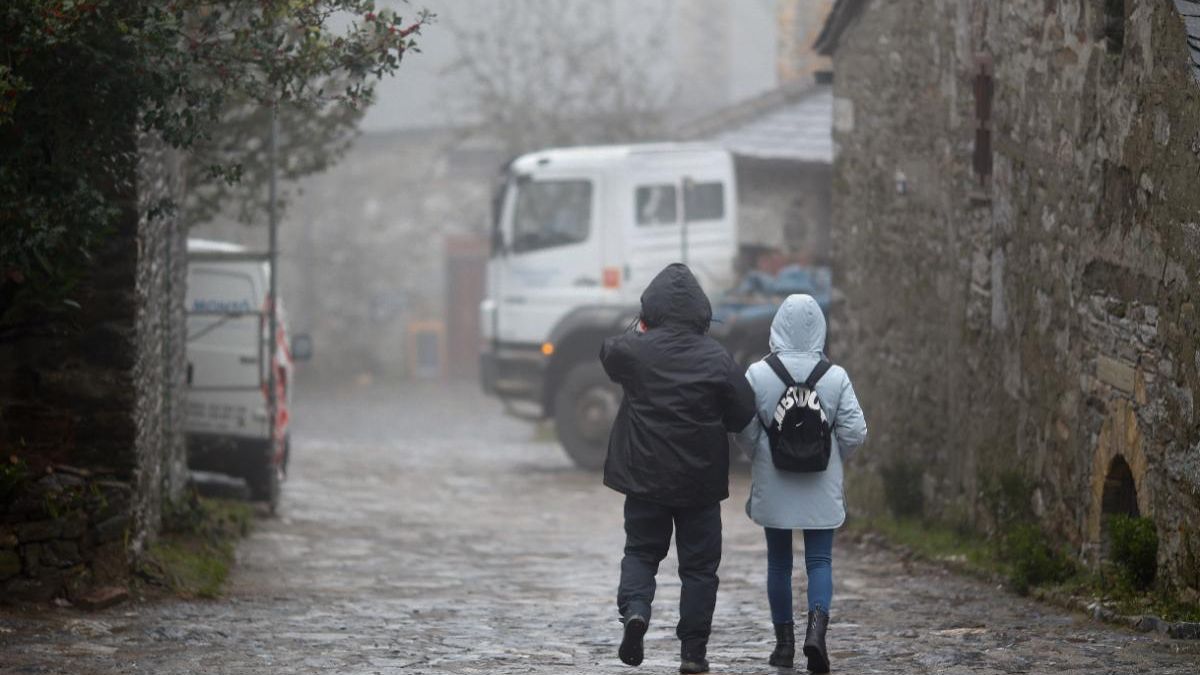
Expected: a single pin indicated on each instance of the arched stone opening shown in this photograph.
(1118, 499)
(1119, 485)
(1120, 490)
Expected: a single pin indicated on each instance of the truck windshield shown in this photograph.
(551, 213)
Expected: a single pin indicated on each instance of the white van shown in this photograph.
(228, 423)
(578, 233)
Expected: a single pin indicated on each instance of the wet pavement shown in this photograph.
(421, 531)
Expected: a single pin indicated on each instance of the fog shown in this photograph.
(385, 257)
(427, 88)
(937, 303)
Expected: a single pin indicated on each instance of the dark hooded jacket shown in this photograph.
(683, 393)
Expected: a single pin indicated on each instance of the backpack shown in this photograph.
(799, 432)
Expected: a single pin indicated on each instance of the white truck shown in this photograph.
(228, 424)
(578, 233)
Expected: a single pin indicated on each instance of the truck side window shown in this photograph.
(705, 201)
(655, 205)
(551, 213)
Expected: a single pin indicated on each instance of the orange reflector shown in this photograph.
(548, 348)
(612, 277)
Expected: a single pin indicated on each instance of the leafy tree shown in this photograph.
(310, 140)
(538, 73)
(80, 79)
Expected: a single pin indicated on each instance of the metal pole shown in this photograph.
(273, 255)
(687, 187)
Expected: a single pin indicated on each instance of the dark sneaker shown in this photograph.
(631, 651)
(691, 657)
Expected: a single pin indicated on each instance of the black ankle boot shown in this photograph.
(631, 651)
(785, 645)
(692, 658)
(814, 641)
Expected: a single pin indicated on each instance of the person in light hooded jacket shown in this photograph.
(782, 501)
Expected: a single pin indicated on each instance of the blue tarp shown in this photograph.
(760, 293)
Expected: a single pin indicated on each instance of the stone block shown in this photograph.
(112, 529)
(8, 538)
(74, 527)
(110, 563)
(10, 564)
(102, 598)
(1150, 624)
(60, 554)
(39, 530)
(1185, 630)
(32, 554)
(27, 506)
(1116, 373)
(42, 589)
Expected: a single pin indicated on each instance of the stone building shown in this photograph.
(1017, 234)
(781, 142)
(799, 25)
(91, 446)
(782, 150)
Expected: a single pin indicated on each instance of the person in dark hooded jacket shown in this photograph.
(668, 453)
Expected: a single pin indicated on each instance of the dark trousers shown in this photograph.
(698, 545)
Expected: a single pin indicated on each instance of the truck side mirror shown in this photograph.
(302, 348)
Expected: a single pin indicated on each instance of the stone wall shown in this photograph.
(784, 205)
(1038, 315)
(90, 408)
(159, 372)
(799, 23)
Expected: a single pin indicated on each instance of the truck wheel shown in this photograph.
(584, 409)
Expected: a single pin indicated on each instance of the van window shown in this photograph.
(655, 205)
(705, 201)
(551, 213)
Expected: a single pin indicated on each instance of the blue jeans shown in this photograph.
(818, 560)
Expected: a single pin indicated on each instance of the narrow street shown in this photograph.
(422, 531)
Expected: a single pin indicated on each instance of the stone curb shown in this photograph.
(1179, 630)
(1147, 623)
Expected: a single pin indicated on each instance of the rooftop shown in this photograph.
(1190, 9)
(590, 156)
(793, 123)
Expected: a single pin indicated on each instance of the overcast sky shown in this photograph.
(421, 94)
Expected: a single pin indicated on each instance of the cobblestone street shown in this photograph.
(421, 531)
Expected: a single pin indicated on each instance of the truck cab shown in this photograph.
(577, 235)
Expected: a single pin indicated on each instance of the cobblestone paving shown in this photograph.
(423, 532)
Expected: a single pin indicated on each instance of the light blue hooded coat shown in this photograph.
(786, 500)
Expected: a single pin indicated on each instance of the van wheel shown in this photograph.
(265, 484)
(584, 409)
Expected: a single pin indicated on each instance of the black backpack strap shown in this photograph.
(780, 370)
(818, 372)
